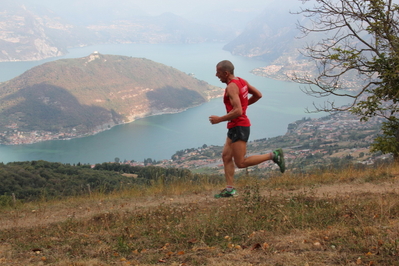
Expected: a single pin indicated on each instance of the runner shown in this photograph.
(236, 101)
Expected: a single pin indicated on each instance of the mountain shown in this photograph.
(32, 32)
(165, 28)
(28, 33)
(268, 36)
(74, 97)
(274, 38)
(22, 36)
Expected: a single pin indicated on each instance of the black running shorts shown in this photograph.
(238, 133)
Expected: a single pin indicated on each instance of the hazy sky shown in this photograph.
(178, 7)
(156, 7)
(182, 7)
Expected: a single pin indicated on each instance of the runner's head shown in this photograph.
(226, 65)
(225, 71)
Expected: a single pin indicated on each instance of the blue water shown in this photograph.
(159, 137)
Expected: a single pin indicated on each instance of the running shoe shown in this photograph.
(225, 193)
(279, 159)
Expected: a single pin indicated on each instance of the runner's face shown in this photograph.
(222, 74)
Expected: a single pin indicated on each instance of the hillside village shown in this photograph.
(332, 140)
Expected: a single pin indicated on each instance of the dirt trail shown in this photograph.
(63, 211)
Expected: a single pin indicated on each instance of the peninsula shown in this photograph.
(71, 98)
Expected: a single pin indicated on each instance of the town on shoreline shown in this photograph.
(331, 140)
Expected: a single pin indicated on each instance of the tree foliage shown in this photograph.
(41, 179)
(359, 45)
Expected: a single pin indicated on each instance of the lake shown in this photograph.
(159, 137)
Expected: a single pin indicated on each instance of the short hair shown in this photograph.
(226, 65)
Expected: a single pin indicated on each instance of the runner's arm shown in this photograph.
(233, 94)
(255, 94)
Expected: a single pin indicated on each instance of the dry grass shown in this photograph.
(330, 217)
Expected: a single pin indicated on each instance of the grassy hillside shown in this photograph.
(86, 94)
(330, 217)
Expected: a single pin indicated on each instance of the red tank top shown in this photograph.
(242, 120)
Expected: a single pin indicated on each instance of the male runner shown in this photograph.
(236, 101)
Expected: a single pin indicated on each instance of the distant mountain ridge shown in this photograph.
(274, 38)
(268, 36)
(22, 36)
(75, 97)
(33, 32)
(29, 32)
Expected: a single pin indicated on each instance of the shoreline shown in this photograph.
(32, 137)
